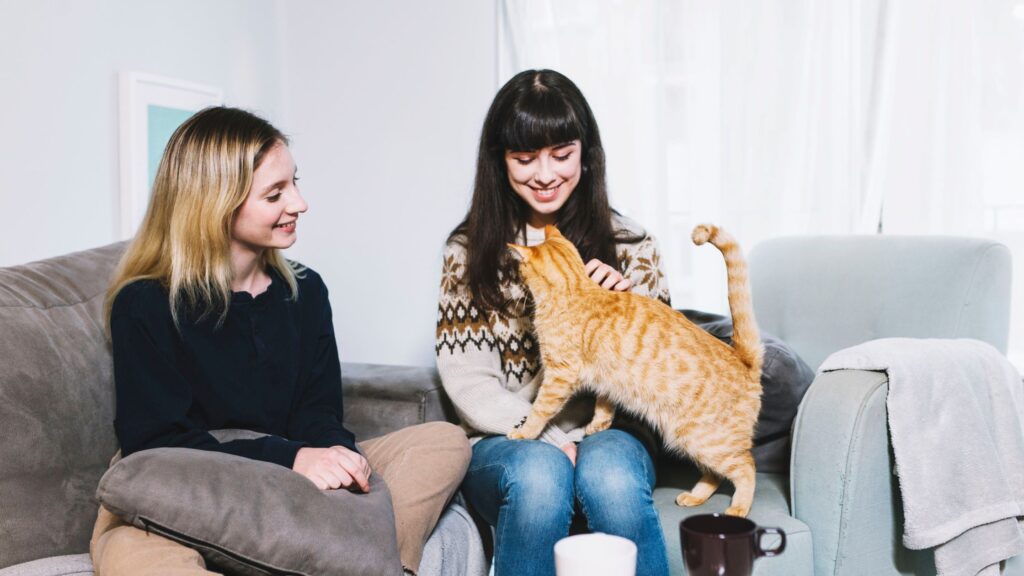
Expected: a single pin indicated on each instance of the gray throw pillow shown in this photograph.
(250, 517)
(785, 378)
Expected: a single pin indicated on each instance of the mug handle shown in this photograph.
(771, 551)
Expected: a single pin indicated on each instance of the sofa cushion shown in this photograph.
(252, 517)
(56, 402)
(384, 398)
(771, 509)
(785, 378)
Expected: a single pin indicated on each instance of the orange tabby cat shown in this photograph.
(702, 395)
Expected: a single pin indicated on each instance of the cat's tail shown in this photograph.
(746, 339)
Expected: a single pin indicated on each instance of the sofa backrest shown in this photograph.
(821, 294)
(56, 402)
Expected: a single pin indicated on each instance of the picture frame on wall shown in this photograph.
(151, 107)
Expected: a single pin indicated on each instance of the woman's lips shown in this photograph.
(545, 194)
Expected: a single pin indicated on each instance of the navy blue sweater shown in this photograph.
(272, 367)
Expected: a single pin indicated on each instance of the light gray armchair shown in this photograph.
(822, 294)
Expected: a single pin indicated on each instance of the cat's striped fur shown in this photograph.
(702, 395)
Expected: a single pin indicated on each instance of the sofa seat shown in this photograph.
(771, 509)
(453, 548)
(68, 565)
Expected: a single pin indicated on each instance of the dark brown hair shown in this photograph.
(533, 110)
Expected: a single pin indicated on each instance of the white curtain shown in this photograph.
(784, 117)
(951, 121)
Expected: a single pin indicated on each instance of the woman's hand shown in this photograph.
(607, 277)
(570, 450)
(334, 467)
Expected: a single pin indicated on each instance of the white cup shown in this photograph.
(595, 554)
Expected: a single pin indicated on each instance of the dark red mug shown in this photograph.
(720, 545)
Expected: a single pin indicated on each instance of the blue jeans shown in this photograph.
(528, 490)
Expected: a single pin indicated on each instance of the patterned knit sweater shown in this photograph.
(490, 365)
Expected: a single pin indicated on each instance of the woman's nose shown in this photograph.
(545, 175)
(298, 204)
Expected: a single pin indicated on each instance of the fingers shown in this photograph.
(354, 465)
(333, 468)
(569, 449)
(607, 277)
(334, 477)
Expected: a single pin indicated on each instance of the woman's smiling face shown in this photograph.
(268, 217)
(545, 178)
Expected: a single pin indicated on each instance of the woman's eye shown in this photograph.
(274, 197)
(524, 161)
(563, 158)
(295, 180)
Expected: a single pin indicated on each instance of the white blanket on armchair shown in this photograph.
(956, 424)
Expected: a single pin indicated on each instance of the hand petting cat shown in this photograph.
(607, 277)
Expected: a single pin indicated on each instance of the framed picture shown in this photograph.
(151, 108)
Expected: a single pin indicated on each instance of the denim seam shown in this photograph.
(486, 466)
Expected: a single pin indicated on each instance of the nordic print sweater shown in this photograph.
(490, 365)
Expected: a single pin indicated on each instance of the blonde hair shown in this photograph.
(185, 237)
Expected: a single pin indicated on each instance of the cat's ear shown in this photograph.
(523, 251)
(551, 232)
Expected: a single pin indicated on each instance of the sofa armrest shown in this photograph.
(383, 398)
(841, 477)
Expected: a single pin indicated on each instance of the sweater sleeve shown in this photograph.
(153, 396)
(316, 417)
(469, 361)
(641, 263)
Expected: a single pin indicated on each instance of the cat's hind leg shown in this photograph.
(700, 492)
(741, 472)
(604, 413)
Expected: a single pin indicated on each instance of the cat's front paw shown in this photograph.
(516, 435)
(688, 499)
(740, 511)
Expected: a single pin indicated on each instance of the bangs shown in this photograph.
(541, 119)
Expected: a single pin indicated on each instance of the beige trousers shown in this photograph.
(422, 466)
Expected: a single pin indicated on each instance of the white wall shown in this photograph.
(59, 61)
(385, 101)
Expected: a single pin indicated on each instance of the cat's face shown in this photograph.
(554, 263)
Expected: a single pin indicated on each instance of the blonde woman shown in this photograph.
(211, 327)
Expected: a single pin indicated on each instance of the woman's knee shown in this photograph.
(613, 466)
(449, 448)
(540, 474)
(448, 437)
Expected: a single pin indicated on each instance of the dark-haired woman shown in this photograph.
(540, 162)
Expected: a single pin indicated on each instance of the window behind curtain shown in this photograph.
(787, 117)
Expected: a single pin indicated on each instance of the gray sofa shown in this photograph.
(839, 503)
(57, 410)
